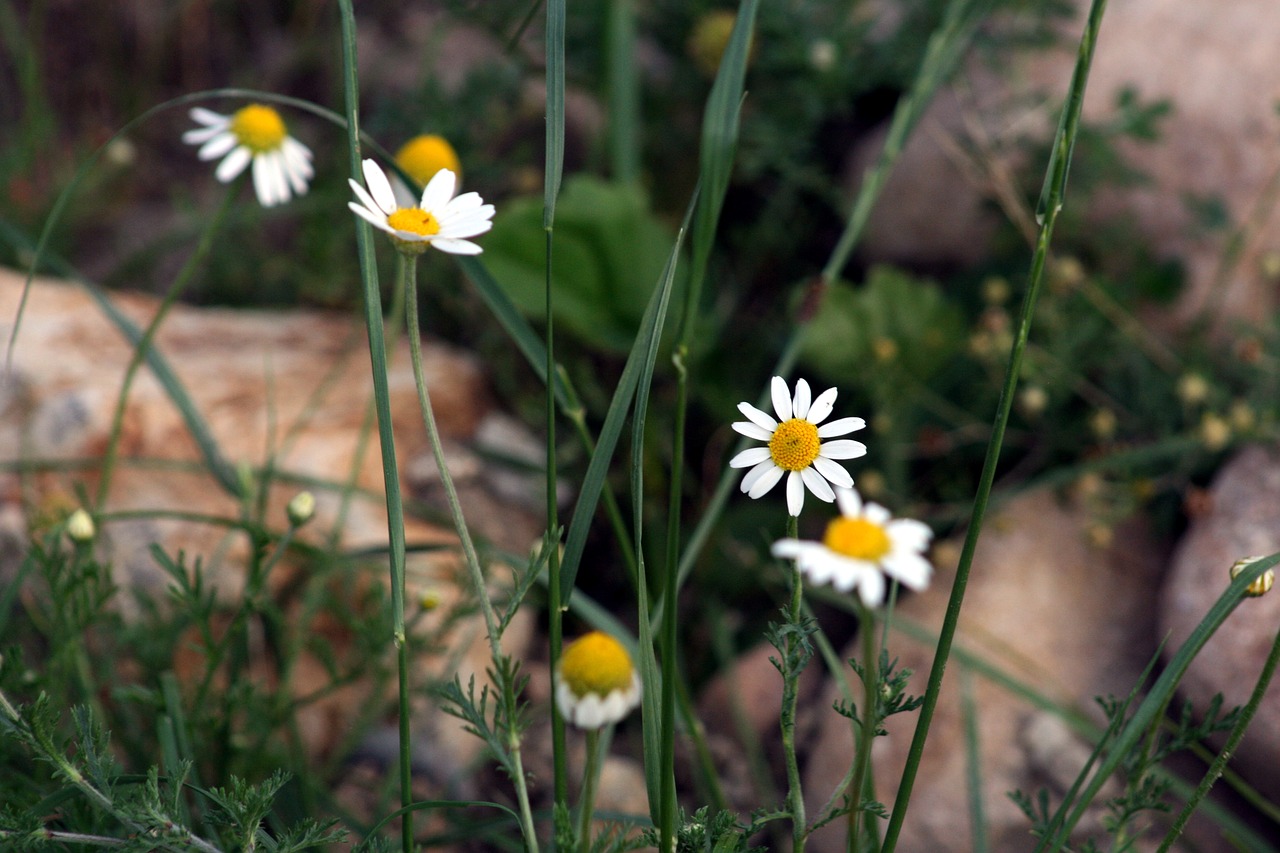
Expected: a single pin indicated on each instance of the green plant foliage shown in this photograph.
(610, 250)
(891, 309)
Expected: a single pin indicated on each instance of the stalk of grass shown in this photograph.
(973, 765)
(624, 92)
(382, 403)
(1228, 749)
(1048, 208)
(552, 173)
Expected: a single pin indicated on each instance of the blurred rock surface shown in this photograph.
(1043, 606)
(1242, 519)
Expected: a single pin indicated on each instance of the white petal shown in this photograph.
(455, 246)
(822, 406)
(871, 589)
(758, 417)
(909, 569)
(849, 501)
(209, 117)
(233, 164)
(216, 147)
(751, 430)
(369, 204)
(379, 187)
(768, 478)
(377, 220)
(820, 488)
(781, 399)
(841, 426)
(842, 448)
(199, 135)
(439, 190)
(465, 203)
(753, 476)
(789, 548)
(833, 472)
(750, 456)
(795, 492)
(800, 404)
(876, 514)
(405, 197)
(909, 533)
(468, 228)
(264, 182)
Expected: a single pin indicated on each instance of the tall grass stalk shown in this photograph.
(382, 404)
(1050, 205)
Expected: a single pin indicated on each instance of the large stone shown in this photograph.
(1214, 62)
(1241, 520)
(285, 389)
(1044, 606)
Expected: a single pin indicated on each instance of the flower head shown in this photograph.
(256, 133)
(80, 527)
(596, 683)
(438, 220)
(423, 156)
(796, 445)
(862, 546)
(1262, 584)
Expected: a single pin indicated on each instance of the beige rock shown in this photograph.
(1214, 62)
(1043, 606)
(285, 390)
(1243, 519)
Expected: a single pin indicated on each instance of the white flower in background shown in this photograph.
(439, 220)
(862, 546)
(281, 164)
(596, 683)
(796, 445)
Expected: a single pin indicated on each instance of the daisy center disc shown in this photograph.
(857, 538)
(794, 445)
(596, 663)
(258, 128)
(423, 156)
(415, 220)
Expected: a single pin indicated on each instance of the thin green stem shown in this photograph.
(790, 700)
(408, 268)
(381, 394)
(1228, 749)
(590, 781)
(140, 351)
(555, 595)
(870, 714)
(1047, 213)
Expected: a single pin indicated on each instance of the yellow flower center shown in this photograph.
(259, 128)
(415, 220)
(596, 663)
(857, 538)
(423, 156)
(794, 445)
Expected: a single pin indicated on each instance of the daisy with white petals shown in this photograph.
(439, 220)
(862, 546)
(796, 445)
(596, 683)
(256, 133)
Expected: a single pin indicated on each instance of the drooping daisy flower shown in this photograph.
(796, 445)
(421, 157)
(596, 683)
(438, 220)
(281, 164)
(862, 546)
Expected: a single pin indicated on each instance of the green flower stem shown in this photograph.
(555, 595)
(189, 269)
(790, 699)
(1228, 749)
(382, 402)
(590, 781)
(407, 268)
(870, 719)
(1049, 207)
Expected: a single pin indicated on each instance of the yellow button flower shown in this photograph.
(596, 683)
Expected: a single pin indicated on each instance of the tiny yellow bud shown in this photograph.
(1033, 400)
(710, 38)
(430, 599)
(1261, 584)
(80, 527)
(872, 483)
(301, 508)
(1242, 417)
(995, 290)
(1193, 389)
(884, 349)
(1215, 433)
(1103, 423)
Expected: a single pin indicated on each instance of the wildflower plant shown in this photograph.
(193, 761)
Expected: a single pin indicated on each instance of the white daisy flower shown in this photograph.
(862, 546)
(281, 164)
(596, 684)
(439, 220)
(796, 446)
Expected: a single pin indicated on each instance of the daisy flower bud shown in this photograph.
(301, 508)
(80, 527)
(1262, 583)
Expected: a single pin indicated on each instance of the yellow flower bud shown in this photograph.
(301, 508)
(1261, 584)
(80, 527)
